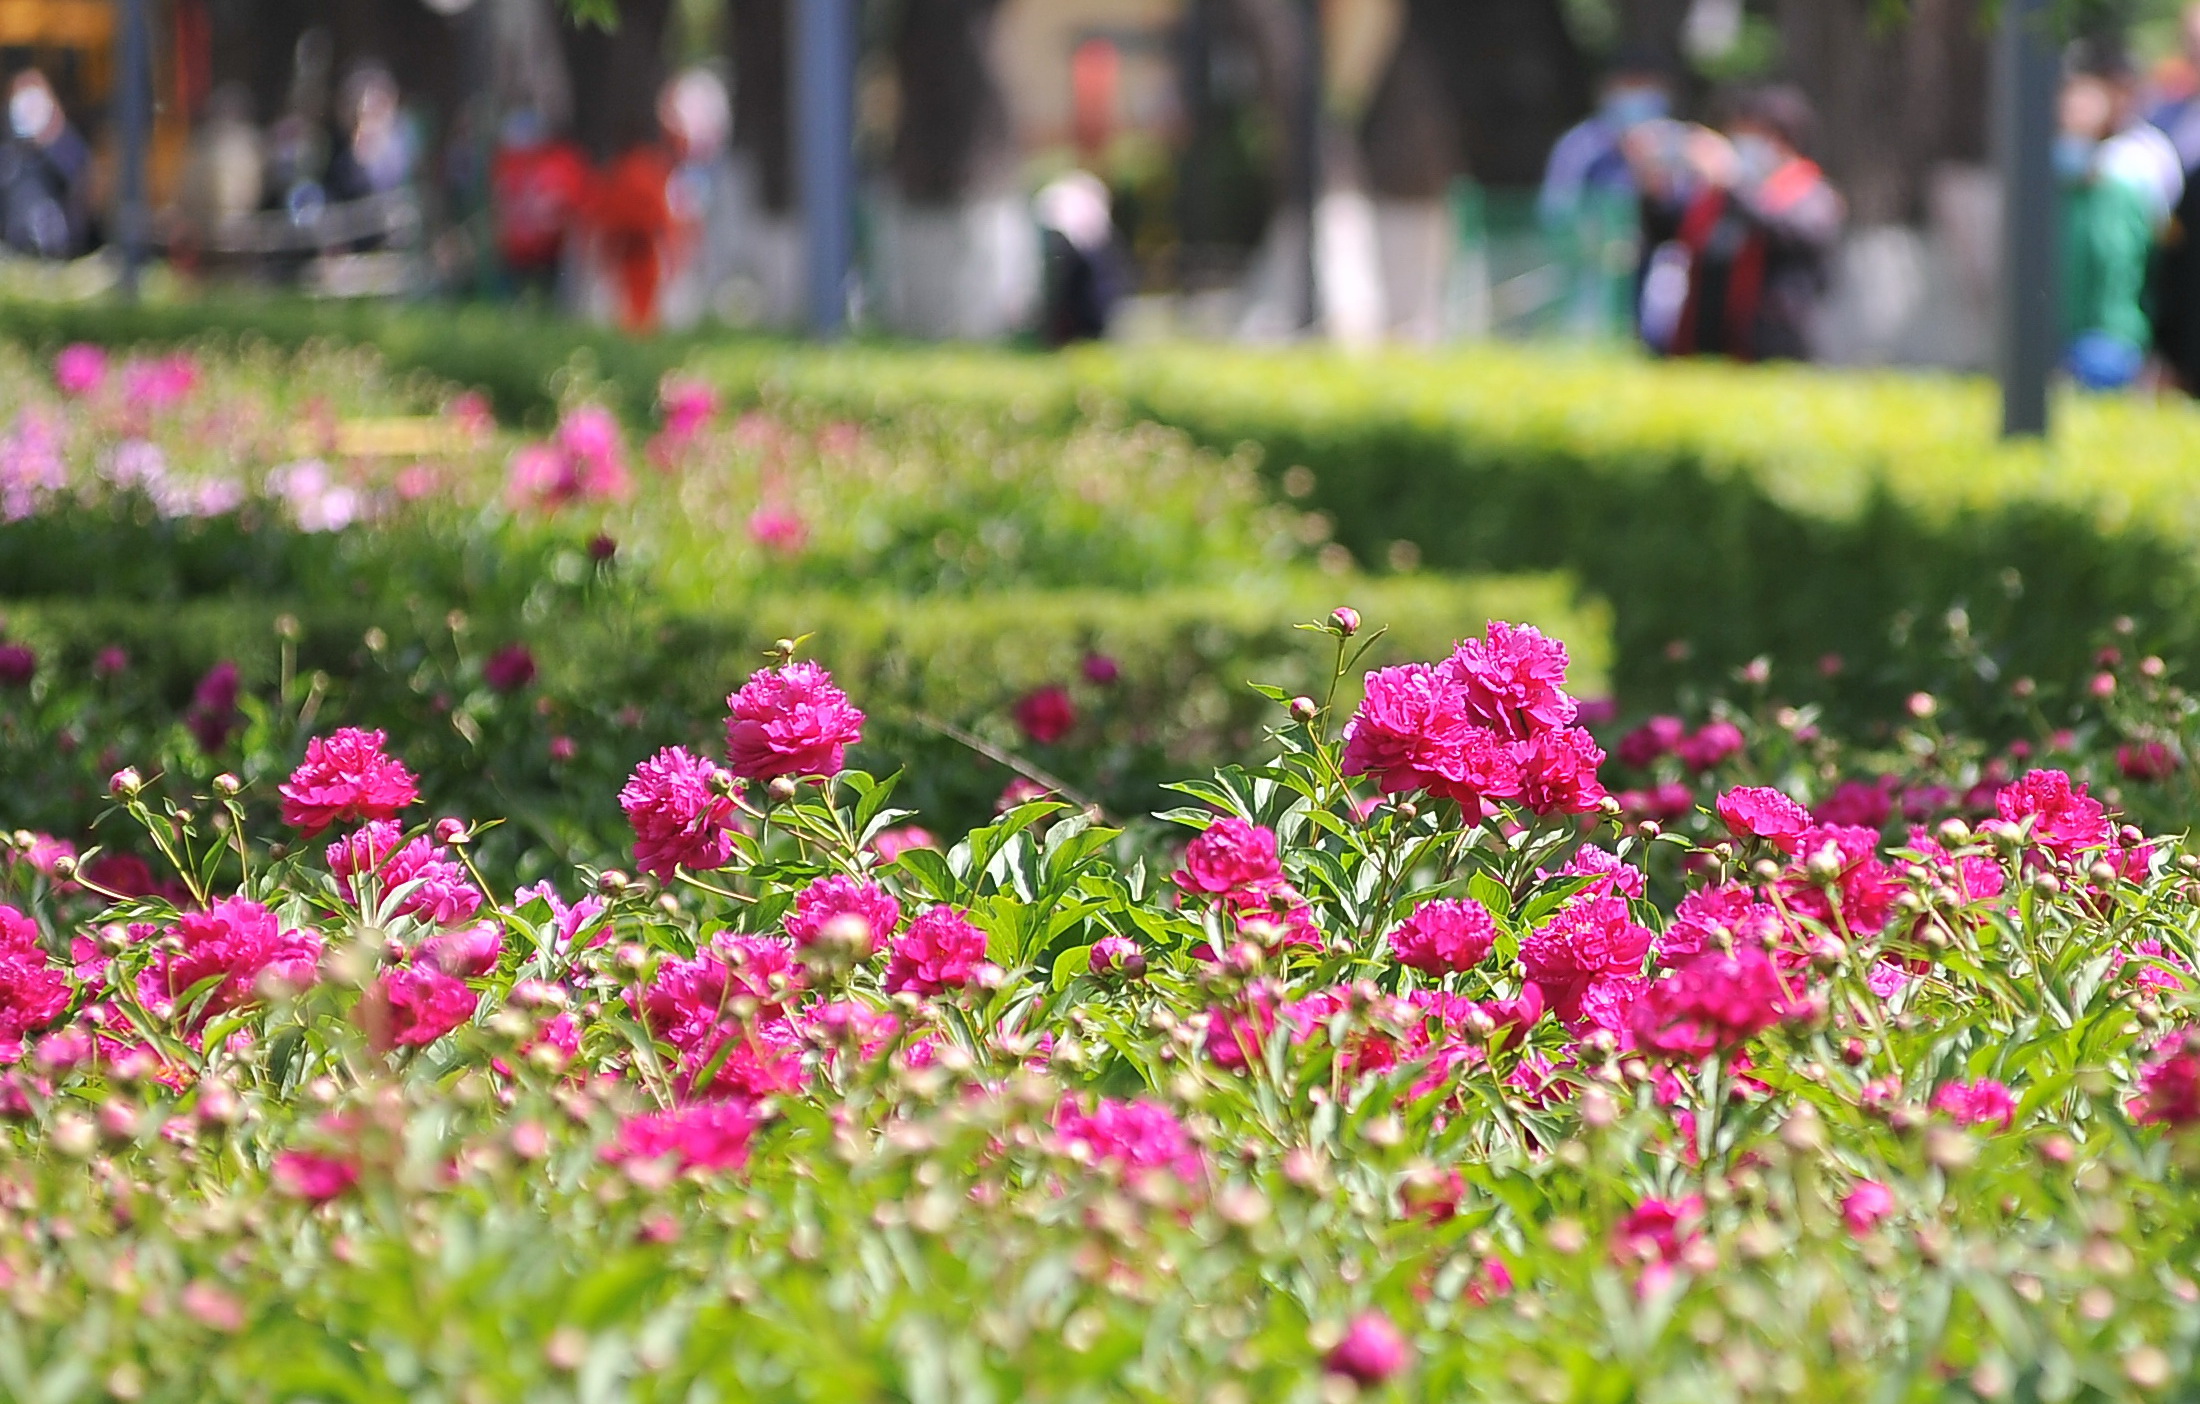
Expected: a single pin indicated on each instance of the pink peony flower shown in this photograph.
(1514, 681)
(1757, 811)
(312, 1177)
(891, 844)
(415, 1006)
(1230, 856)
(940, 951)
(1236, 1036)
(589, 435)
(222, 954)
(1656, 737)
(213, 714)
(1977, 1103)
(1046, 715)
(2148, 762)
(682, 810)
(80, 370)
(1558, 771)
(2169, 1089)
(32, 991)
(1711, 918)
(1613, 874)
(509, 669)
(1132, 1141)
(1100, 670)
(689, 406)
(1412, 732)
(468, 952)
(1856, 804)
(1658, 1235)
(705, 1138)
(18, 665)
(1865, 1205)
(346, 778)
(1866, 888)
(838, 896)
(1712, 1003)
(1372, 1350)
(2065, 819)
(779, 529)
(1589, 937)
(1713, 744)
(160, 384)
(1445, 936)
(442, 891)
(1118, 955)
(790, 721)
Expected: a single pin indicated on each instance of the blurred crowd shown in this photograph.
(1719, 239)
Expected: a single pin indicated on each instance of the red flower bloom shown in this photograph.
(509, 669)
(683, 816)
(1444, 936)
(224, 953)
(415, 1006)
(1514, 681)
(1558, 772)
(940, 951)
(1713, 1003)
(710, 1136)
(32, 991)
(1230, 856)
(2065, 819)
(1760, 812)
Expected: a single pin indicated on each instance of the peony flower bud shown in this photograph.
(125, 783)
(1345, 620)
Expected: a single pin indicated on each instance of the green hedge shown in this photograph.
(1726, 512)
(620, 681)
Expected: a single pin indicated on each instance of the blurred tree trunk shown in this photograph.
(1484, 86)
(616, 75)
(757, 37)
(1650, 34)
(953, 139)
(1895, 97)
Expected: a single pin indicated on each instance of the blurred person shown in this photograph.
(537, 183)
(1084, 273)
(2120, 180)
(223, 172)
(1587, 205)
(2176, 284)
(45, 171)
(630, 232)
(375, 151)
(1742, 226)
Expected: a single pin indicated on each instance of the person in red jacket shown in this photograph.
(537, 183)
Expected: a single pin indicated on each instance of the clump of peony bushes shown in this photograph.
(1415, 1066)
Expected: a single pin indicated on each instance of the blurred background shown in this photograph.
(1586, 169)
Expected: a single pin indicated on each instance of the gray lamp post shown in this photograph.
(824, 63)
(2026, 76)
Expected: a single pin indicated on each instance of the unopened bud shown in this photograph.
(1346, 620)
(1922, 705)
(723, 784)
(125, 783)
(782, 788)
(451, 831)
(227, 785)
(1954, 832)
(612, 882)
(1304, 709)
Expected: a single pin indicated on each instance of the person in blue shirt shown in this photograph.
(1588, 202)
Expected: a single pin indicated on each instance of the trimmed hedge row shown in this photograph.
(616, 682)
(1727, 512)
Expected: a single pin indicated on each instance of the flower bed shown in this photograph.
(1412, 1064)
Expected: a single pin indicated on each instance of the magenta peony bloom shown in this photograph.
(682, 810)
(688, 405)
(1758, 811)
(32, 991)
(1713, 744)
(1046, 715)
(727, 1009)
(159, 384)
(1412, 732)
(1711, 918)
(2148, 762)
(705, 1138)
(1444, 936)
(1859, 805)
(2065, 819)
(1118, 955)
(1712, 1003)
(1558, 772)
(589, 435)
(1372, 1350)
(1132, 1141)
(1236, 1035)
(223, 953)
(1514, 681)
(415, 1006)
(18, 665)
(941, 950)
(1866, 886)
(467, 952)
(2169, 1089)
(346, 778)
(1101, 670)
(315, 1178)
(1656, 737)
(442, 891)
(509, 669)
(1588, 938)
(213, 715)
(1865, 1205)
(839, 896)
(1977, 1103)
(779, 529)
(790, 721)
(80, 370)
(1613, 874)
(1230, 856)
(895, 842)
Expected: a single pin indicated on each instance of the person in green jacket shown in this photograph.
(2112, 214)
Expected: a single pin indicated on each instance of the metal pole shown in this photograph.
(824, 62)
(2027, 73)
(134, 118)
(1308, 140)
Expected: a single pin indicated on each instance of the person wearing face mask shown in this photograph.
(1742, 231)
(1587, 204)
(44, 172)
(2121, 180)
